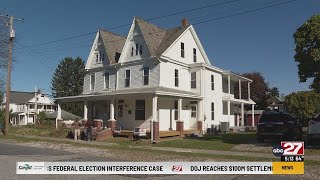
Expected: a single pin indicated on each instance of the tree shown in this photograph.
(258, 89)
(307, 40)
(303, 104)
(67, 80)
(273, 92)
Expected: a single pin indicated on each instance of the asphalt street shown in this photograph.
(11, 153)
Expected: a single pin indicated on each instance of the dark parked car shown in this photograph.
(279, 125)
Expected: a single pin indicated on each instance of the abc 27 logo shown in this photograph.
(290, 151)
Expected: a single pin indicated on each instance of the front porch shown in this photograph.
(162, 115)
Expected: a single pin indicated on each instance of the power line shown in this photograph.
(245, 12)
(124, 25)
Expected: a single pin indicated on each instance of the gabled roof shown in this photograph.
(170, 36)
(64, 115)
(113, 43)
(18, 97)
(152, 34)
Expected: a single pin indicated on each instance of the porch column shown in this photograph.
(112, 121)
(249, 93)
(155, 121)
(229, 84)
(179, 126)
(85, 110)
(252, 114)
(200, 116)
(242, 114)
(238, 115)
(59, 118)
(229, 111)
(239, 88)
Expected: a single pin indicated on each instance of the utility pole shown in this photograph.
(12, 33)
(35, 104)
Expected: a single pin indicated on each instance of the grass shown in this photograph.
(217, 142)
(125, 147)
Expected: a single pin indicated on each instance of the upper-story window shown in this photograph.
(146, 76)
(137, 48)
(92, 82)
(182, 49)
(212, 111)
(127, 78)
(140, 51)
(106, 81)
(193, 80)
(176, 77)
(194, 55)
(212, 82)
(97, 57)
(132, 51)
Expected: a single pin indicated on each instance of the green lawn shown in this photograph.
(213, 142)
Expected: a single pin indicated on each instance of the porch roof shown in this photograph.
(159, 90)
(238, 101)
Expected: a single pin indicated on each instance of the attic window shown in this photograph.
(132, 51)
(137, 50)
(140, 51)
(182, 50)
(97, 57)
(117, 56)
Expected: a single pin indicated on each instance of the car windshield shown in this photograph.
(271, 118)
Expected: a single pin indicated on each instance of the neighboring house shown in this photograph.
(257, 115)
(23, 107)
(276, 104)
(159, 76)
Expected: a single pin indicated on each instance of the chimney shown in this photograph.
(184, 22)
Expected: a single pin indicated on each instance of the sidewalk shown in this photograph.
(170, 149)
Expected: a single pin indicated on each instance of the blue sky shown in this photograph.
(260, 41)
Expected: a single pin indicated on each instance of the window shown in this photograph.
(176, 110)
(146, 76)
(212, 111)
(193, 80)
(92, 81)
(212, 82)
(140, 52)
(182, 49)
(127, 78)
(103, 56)
(132, 51)
(193, 106)
(106, 80)
(137, 50)
(140, 110)
(100, 56)
(97, 57)
(176, 77)
(120, 108)
(194, 55)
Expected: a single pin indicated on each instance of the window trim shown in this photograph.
(143, 76)
(125, 77)
(212, 82)
(90, 78)
(182, 54)
(104, 80)
(176, 78)
(195, 80)
(144, 109)
(212, 111)
(194, 55)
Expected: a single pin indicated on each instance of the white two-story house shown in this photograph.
(24, 105)
(157, 75)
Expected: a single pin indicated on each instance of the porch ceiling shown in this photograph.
(163, 91)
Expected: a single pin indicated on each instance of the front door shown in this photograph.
(193, 114)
